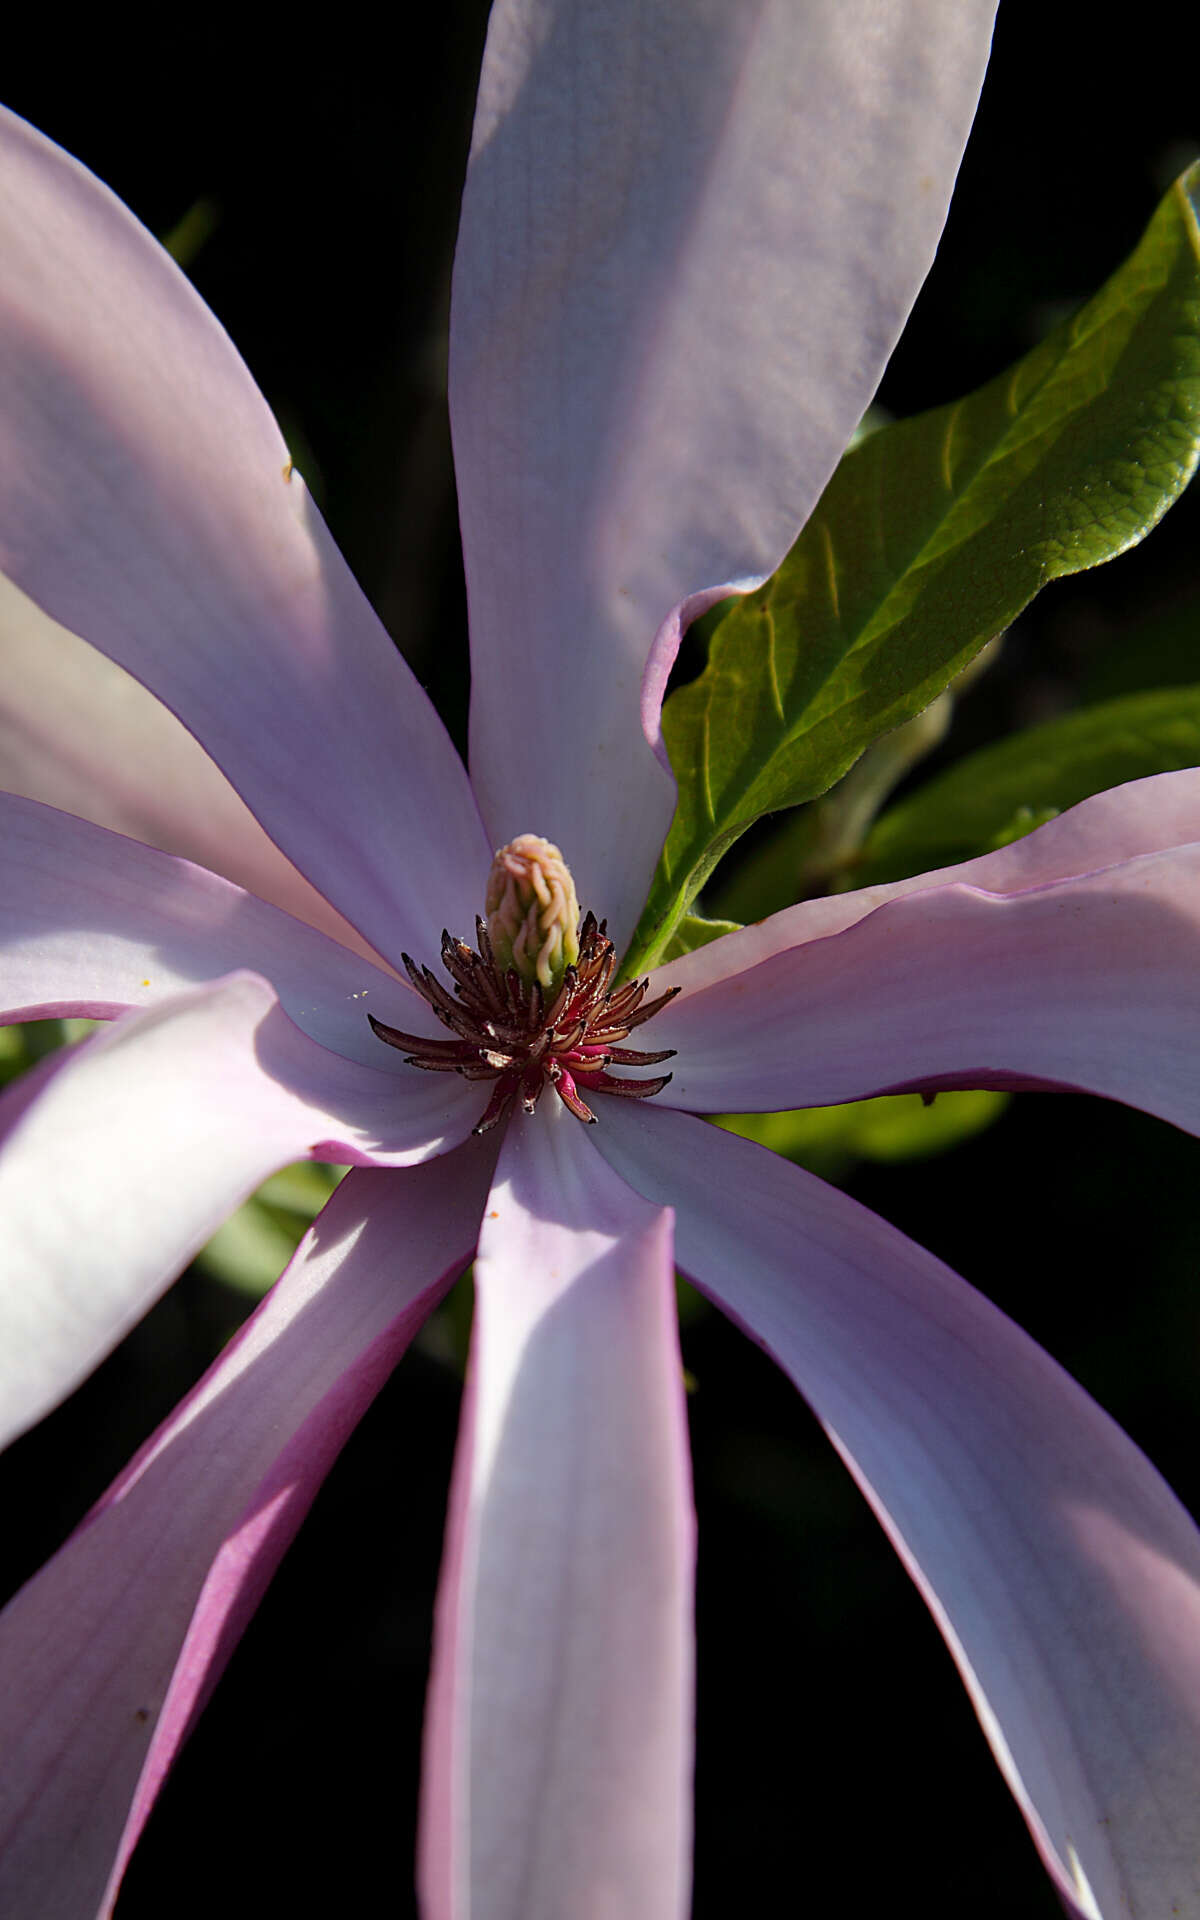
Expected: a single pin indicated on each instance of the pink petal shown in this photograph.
(108, 1655)
(93, 923)
(690, 237)
(1092, 983)
(147, 503)
(79, 732)
(558, 1746)
(1062, 1571)
(1144, 816)
(132, 1149)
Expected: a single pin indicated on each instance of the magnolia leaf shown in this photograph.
(1155, 649)
(891, 1127)
(694, 931)
(930, 538)
(26, 1042)
(302, 1188)
(14, 1057)
(808, 849)
(192, 232)
(250, 1250)
(1006, 790)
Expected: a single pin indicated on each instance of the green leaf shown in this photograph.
(250, 1250)
(809, 848)
(694, 931)
(893, 1126)
(27, 1042)
(1149, 650)
(192, 232)
(931, 537)
(302, 1188)
(1003, 791)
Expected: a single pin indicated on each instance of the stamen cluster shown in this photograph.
(515, 1032)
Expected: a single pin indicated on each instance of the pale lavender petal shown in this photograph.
(91, 923)
(1144, 816)
(1061, 1569)
(147, 502)
(1092, 983)
(79, 732)
(690, 236)
(110, 1652)
(558, 1748)
(137, 1145)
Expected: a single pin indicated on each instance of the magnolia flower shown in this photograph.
(635, 436)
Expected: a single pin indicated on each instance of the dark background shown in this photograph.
(839, 1765)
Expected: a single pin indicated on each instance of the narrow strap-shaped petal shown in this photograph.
(558, 1744)
(110, 1652)
(1144, 816)
(148, 503)
(1092, 983)
(1061, 1569)
(124, 1157)
(78, 732)
(690, 236)
(91, 922)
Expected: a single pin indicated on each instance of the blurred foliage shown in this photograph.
(1154, 649)
(192, 231)
(250, 1250)
(24, 1045)
(1007, 789)
(831, 1141)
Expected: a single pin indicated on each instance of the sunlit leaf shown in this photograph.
(894, 1126)
(250, 1250)
(808, 849)
(301, 1189)
(694, 931)
(1006, 790)
(26, 1042)
(931, 537)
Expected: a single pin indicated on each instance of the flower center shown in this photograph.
(533, 1004)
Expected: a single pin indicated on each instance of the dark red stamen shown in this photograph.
(510, 1031)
